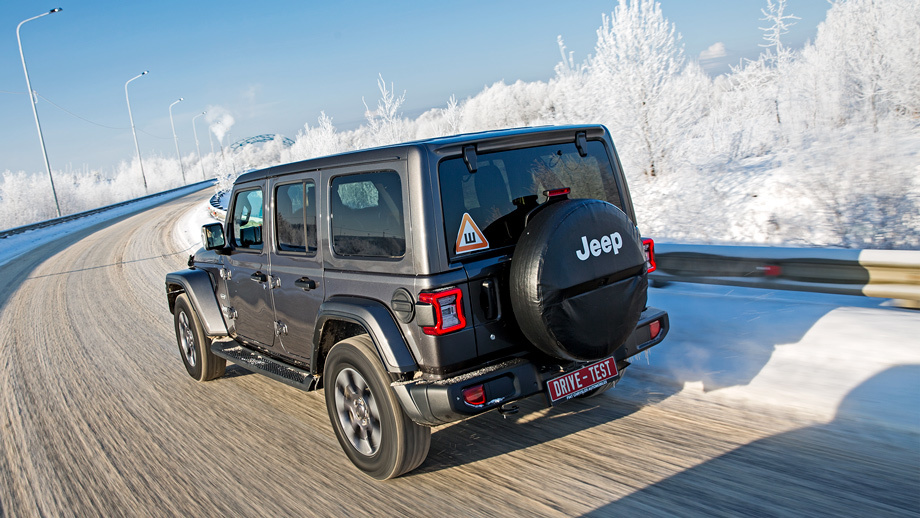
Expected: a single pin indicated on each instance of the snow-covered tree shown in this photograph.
(778, 56)
(453, 115)
(440, 121)
(386, 125)
(775, 13)
(632, 81)
(568, 100)
(871, 51)
(504, 106)
(318, 140)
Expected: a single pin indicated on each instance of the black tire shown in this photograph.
(368, 421)
(578, 279)
(194, 345)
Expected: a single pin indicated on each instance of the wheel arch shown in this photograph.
(344, 317)
(197, 285)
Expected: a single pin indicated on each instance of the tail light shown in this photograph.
(654, 328)
(448, 311)
(649, 246)
(475, 395)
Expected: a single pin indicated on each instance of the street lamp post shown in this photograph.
(179, 156)
(33, 102)
(195, 131)
(133, 131)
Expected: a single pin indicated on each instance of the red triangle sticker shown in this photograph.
(470, 238)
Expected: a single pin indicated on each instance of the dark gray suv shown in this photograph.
(426, 282)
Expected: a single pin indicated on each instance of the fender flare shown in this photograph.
(197, 284)
(377, 320)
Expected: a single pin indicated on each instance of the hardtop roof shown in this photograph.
(445, 145)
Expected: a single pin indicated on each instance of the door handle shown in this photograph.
(258, 277)
(305, 283)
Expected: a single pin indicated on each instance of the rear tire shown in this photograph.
(368, 420)
(194, 345)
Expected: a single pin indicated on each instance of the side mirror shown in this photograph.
(212, 236)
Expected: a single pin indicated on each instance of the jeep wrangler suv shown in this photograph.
(426, 282)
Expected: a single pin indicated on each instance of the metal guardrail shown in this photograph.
(217, 206)
(873, 273)
(70, 217)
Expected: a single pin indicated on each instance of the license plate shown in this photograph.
(578, 382)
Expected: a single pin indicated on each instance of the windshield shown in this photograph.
(485, 210)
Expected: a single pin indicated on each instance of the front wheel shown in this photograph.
(194, 345)
(369, 423)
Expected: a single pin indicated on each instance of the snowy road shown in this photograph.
(759, 403)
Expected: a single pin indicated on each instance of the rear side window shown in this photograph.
(295, 217)
(485, 210)
(367, 215)
(247, 219)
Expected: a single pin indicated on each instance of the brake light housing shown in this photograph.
(448, 311)
(649, 246)
(475, 395)
(654, 328)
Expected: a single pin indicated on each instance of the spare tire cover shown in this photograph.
(578, 279)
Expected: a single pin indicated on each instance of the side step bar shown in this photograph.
(256, 362)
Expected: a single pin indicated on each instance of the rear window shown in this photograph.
(485, 210)
(367, 215)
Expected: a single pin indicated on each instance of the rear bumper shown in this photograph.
(437, 402)
(641, 339)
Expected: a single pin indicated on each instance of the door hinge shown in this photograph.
(230, 313)
(225, 274)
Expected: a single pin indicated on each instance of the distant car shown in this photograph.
(426, 282)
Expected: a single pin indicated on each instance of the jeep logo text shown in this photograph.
(596, 247)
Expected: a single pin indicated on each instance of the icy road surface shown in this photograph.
(758, 403)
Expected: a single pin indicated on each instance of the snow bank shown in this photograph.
(804, 353)
(19, 244)
(188, 227)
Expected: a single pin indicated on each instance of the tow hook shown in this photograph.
(506, 410)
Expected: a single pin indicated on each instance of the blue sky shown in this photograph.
(275, 65)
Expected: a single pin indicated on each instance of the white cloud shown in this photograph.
(715, 51)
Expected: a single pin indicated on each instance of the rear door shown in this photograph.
(297, 273)
(485, 214)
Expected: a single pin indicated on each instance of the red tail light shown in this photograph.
(475, 395)
(448, 311)
(649, 246)
(654, 328)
